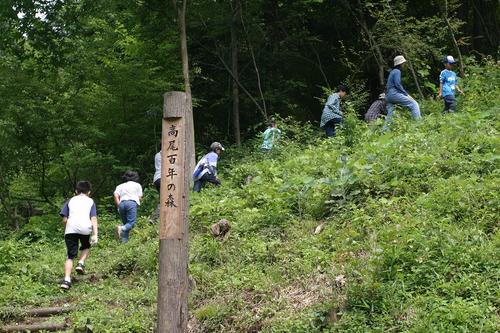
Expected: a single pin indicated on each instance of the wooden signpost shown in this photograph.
(175, 179)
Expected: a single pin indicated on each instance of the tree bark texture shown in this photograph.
(181, 21)
(453, 39)
(236, 8)
(256, 68)
(405, 53)
(379, 58)
(173, 283)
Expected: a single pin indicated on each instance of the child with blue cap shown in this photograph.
(448, 83)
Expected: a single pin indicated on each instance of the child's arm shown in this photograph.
(459, 90)
(65, 213)
(440, 88)
(117, 199)
(93, 239)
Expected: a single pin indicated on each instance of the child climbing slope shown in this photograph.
(80, 217)
(127, 198)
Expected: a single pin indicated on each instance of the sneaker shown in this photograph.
(65, 284)
(80, 268)
(118, 232)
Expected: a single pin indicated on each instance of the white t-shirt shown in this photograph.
(208, 164)
(79, 210)
(129, 191)
(157, 167)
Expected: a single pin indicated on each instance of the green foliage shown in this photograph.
(408, 242)
(407, 221)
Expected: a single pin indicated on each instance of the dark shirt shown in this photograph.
(377, 108)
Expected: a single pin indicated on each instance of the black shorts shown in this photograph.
(72, 243)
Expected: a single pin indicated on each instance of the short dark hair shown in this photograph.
(83, 186)
(130, 176)
(342, 87)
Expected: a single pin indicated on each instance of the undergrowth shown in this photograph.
(406, 235)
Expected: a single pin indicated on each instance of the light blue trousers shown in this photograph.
(403, 100)
(128, 213)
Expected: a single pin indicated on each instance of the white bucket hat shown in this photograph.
(398, 60)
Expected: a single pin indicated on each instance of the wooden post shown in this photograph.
(173, 261)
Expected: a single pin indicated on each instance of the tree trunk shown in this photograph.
(483, 23)
(236, 8)
(403, 49)
(6, 202)
(414, 74)
(379, 58)
(454, 40)
(181, 21)
(257, 72)
(242, 87)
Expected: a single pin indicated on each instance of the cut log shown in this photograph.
(220, 229)
(35, 327)
(45, 312)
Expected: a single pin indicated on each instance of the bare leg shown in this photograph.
(68, 266)
(84, 254)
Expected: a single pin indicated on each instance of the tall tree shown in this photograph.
(180, 9)
(235, 19)
(445, 9)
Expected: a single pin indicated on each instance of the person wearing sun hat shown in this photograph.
(396, 94)
(448, 83)
(376, 109)
(206, 169)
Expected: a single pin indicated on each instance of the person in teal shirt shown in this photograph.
(271, 135)
(448, 83)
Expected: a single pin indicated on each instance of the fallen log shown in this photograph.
(45, 312)
(51, 327)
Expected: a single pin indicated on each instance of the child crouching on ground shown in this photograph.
(80, 217)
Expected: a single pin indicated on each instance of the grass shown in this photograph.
(409, 239)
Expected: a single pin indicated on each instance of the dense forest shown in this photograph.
(82, 81)
(379, 229)
(364, 232)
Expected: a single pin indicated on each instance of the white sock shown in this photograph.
(81, 262)
(67, 279)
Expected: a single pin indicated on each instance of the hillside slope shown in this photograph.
(367, 232)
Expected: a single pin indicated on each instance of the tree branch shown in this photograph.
(254, 64)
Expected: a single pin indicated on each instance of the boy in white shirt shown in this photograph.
(127, 197)
(80, 217)
(206, 169)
